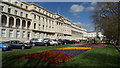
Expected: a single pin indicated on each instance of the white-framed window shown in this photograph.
(34, 25)
(21, 5)
(15, 12)
(43, 12)
(39, 26)
(34, 16)
(35, 35)
(34, 7)
(2, 8)
(9, 10)
(43, 27)
(26, 15)
(43, 19)
(26, 7)
(23, 34)
(39, 10)
(11, 33)
(16, 3)
(39, 17)
(21, 14)
(18, 34)
(3, 33)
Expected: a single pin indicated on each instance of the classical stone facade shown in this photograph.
(23, 21)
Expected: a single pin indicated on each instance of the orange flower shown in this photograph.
(75, 48)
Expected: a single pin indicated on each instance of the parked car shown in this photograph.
(65, 42)
(58, 42)
(37, 42)
(74, 41)
(5, 47)
(50, 42)
(15, 44)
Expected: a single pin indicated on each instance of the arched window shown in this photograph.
(23, 24)
(3, 20)
(17, 23)
(29, 23)
(11, 21)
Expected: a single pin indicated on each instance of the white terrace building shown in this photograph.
(23, 21)
(93, 35)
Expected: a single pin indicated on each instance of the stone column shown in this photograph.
(7, 33)
(15, 34)
(20, 23)
(56, 26)
(7, 24)
(0, 19)
(26, 24)
(41, 24)
(51, 24)
(14, 22)
(47, 22)
(59, 27)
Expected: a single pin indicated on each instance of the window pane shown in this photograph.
(3, 33)
(18, 34)
(1, 8)
(23, 34)
(11, 33)
(9, 10)
(15, 12)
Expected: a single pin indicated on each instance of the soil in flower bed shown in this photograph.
(51, 57)
(73, 52)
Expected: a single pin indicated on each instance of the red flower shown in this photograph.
(52, 57)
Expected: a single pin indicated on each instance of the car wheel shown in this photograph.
(65, 43)
(30, 47)
(46, 44)
(33, 44)
(55, 44)
(22, 47)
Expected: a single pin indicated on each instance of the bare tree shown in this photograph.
(106, 19)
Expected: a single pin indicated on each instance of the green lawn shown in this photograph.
(108, 56)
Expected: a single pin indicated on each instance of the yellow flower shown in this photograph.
(74, 48)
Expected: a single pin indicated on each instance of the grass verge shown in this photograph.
(108, 56)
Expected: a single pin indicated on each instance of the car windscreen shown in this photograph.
(6, 42)
(34, 39)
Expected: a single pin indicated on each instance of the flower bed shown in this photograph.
(75, 48)
(52, 57)
(72, 52)
(57, 56)
(61, 55)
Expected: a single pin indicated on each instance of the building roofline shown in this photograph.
(91, 31)
(25, 3)
(41, 7)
